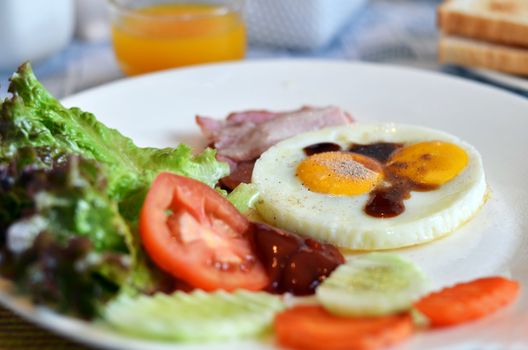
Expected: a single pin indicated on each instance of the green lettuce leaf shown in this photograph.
(69, 198)
(32, 117)
(243, 197)
(63, 240)
(67, 276)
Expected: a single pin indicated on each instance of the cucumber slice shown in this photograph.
(196, 316)
(374, 284)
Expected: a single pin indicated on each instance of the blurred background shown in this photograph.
(78, 44)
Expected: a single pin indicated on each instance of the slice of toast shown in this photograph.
(473, 53)
(499, 21)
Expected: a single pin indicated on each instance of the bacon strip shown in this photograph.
(244, 136)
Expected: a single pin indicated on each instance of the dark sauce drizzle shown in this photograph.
(387, 200)
(321, 148)
(380, 151)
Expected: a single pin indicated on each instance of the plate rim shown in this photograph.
(33, 315)
(281, 61)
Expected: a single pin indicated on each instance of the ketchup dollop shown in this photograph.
(295, 264)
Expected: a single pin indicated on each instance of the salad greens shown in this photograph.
(62, 238)
(71, 190)
(68, 199)
(32, 117)
(243, 197)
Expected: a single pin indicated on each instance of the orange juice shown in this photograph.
(172, 35)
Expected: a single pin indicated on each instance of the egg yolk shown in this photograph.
(429, 163)
(340, 173)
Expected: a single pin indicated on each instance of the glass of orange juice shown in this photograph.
(150, 35)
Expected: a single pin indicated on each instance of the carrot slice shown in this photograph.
(468, 301)
(313, 328)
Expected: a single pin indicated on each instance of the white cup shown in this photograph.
(33, 30)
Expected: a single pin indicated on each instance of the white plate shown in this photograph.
(158, 110)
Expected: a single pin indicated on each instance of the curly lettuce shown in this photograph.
(70, 194)
(32, 117)
(63, 240)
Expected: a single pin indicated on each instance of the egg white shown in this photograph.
(341, 220)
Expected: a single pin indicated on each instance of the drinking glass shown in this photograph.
(151, 35)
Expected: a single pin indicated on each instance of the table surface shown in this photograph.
(399, 32)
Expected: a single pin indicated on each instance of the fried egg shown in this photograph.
(340, 196)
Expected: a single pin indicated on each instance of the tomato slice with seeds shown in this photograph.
(196, 235)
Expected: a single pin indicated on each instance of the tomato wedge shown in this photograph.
(196, 235)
